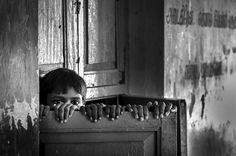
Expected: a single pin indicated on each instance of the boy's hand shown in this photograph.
(43, 111)
(159, 110)
(114, 111)
(162, 109)
(64, 111)
(139, 112)
(93, 111)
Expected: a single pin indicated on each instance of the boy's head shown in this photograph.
(60, 81)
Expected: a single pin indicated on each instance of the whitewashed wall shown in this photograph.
(200, 66)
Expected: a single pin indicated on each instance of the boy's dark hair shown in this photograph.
(58, 81)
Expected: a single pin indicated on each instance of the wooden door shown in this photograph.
(79, 136)
(124, 136)
(105, 46)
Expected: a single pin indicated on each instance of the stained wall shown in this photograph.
(200, 54)
(18, 78)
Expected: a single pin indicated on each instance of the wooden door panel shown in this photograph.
(124, 136)
(105, 45)
(50, 36)
(50, 27)
(103, 149)
(96, 144)
(101, 31)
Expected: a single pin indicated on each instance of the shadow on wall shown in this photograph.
(210, 142)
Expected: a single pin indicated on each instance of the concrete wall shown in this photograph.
(18, 78)
(200, 54)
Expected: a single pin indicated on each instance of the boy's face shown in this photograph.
(71, 97)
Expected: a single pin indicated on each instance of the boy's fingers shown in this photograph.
(41, 109)
(94, 112)
(99, 110)
(140, 112)
(107, 111)
(149, 105)
(129, 108)
(56, 109)
(72, 109)
(89, 112)
(66, 112)
(113, 112)
(122, 109)
(45, 111)
(135, 111)
(61, 113)
(156, 110)
(174, 108)
(168, 108)
(83, 110)
(145, 112)
(162, 109)
(118, 110)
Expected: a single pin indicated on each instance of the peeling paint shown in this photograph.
(203, 105)
(21, 111)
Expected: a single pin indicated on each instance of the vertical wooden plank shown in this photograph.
(50, 32)
(122, 33)
(18, 78)
(182, 129)
(72, 33)
(101, 31)
(169, 135)
(82, 38)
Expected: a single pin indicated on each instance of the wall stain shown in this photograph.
(203, 105)
(192, 103)
(210, 142)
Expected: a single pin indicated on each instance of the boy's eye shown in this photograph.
(57, 102)
(75, 102)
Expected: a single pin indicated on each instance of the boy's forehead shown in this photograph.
(69, 91)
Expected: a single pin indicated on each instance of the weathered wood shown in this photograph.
(106, 91)
(169, 136)
(101, 31)
(124, 136)
(182, 128)
(18, 78)
(103, 78)
(50, 32)
(72, 25)
(104, 47)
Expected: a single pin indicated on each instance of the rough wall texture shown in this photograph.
(18, 78)
(200, 54)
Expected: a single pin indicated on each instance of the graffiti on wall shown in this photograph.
(212, 18)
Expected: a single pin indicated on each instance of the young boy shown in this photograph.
(65, 91)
